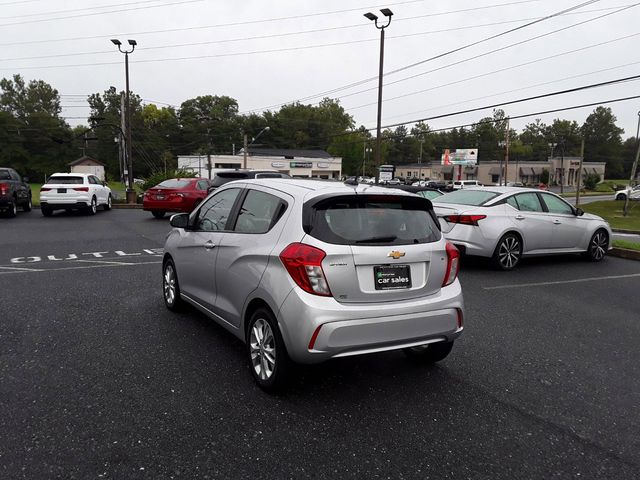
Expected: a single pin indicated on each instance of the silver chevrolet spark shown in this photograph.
(305, 271)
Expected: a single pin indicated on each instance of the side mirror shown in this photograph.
(179, 220)
(579, 212)
(104, 184)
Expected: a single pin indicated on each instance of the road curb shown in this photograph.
(619, 230)
(625, 253)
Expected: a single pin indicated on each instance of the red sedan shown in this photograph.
(175, 195)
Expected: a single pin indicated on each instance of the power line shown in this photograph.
(277, 35)
(19, 2)
(24, 22)
(511, 67)
(367, 80)
(249, 22)
(78, 9)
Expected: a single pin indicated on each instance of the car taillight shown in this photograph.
(304, 264)
(465, 219)
(44, 189)
(453, 264)
(4, 188)
(81, 189)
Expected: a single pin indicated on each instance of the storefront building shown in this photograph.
(297, 163)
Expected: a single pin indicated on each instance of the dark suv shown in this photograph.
(14, 192)
(230, 175)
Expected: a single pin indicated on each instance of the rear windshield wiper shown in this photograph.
(378, 239)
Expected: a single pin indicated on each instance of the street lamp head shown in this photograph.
(133, 43)
(116, 42)
(371, 16)
(386, 12)
(267, 128)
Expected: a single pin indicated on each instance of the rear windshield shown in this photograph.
(174, 183)
(372, 220)
(66, 180)
(467, 197)
(223, 177)
(5, 175)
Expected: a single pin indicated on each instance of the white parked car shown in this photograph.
(74, 191)
(507, 223)
(632, 192)
(460, 184)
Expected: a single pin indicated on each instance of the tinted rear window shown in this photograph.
(174, 183)
(372, 220)
(467, 197)
(66, 180)
(224, 177)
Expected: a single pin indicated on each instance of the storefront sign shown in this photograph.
(323, 165)
(278, 164)
(301, 164)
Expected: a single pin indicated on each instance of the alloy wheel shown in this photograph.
(262, 346)
(599, 244)
(94, 206)
(169, 284)
(509, 252)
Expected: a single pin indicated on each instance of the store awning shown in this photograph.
(495, 171)
(526, 171)
(470, 169)
(447, 169)
(537, 170)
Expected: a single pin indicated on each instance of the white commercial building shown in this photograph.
(297, 163)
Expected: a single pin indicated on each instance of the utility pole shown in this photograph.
(562, 166)
(580, 173)
(634, 168)
(244, 150)
(506, 155)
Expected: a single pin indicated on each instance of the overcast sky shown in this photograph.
(266, 53)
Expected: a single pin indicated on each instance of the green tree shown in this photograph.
(603, 141)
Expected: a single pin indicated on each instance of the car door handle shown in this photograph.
(519, 217)
(209, 245)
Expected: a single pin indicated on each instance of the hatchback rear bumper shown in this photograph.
(340, 329)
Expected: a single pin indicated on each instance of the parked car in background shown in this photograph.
(507, 223)
(175, 195)
(15, 192)
(305, 270)
(515, 184)
(632, 192)
(425, 192)
(225, 176)
(437, 184)
(74, 191)
(459, 184)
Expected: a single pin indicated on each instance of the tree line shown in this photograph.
(37, 141)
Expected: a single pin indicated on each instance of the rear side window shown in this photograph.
(468, 197)
(66, 180)
(372, 220)
(173, 183)
(259, 212)
(529, 202)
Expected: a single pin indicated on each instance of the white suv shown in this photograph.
(68, 191)
(460, 184)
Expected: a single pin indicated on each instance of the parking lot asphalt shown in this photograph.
(99, 380)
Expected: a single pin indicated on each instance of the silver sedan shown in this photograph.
(507, 223)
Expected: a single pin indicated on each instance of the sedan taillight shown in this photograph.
(304, 264)
(453, 264)
(465, 219)
(4, 189)
(45, 189)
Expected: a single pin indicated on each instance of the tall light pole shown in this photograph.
(131, 194)
(387, 13)
(246, 145)
(634, 168)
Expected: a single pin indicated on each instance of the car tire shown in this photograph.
(598, 246)
(508, 252)
(107, 206)
(46, 212)
(171, 286)
(267, 354)
(93, 207)
(621, 196)
(157, 213)
(27, 206)
(13, 209)
(429, 353)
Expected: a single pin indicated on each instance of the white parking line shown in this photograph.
(106, 262)
(84, 267)
(20, 269)
(562, 282)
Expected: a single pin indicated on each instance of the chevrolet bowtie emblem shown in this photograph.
(395, 254)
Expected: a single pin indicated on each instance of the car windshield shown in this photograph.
(174, 183)
(467, 197)
(223, 177)
(66, 180)
(372, 220)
